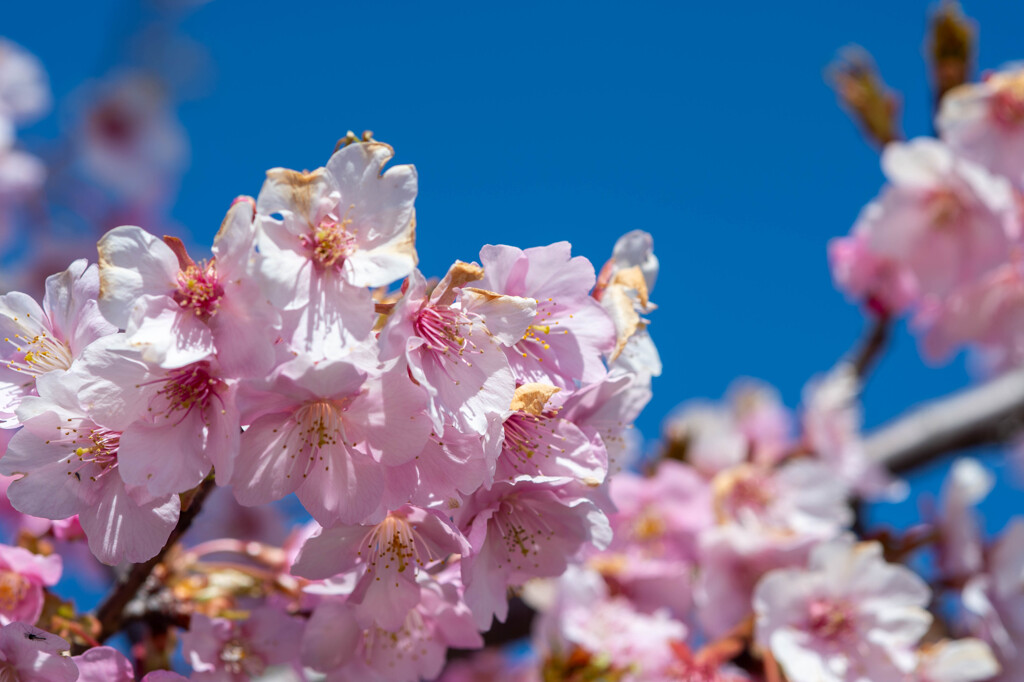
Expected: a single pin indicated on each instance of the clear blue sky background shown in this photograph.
(707, 124)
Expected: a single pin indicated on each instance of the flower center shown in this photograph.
(199, 290)
(238, 659)
(946, 208)
(535, 339)
(441, 328)
(529, 441)
(103, 448)
(13, 590)
(743, 490)
(330, 243)
(648, 526)
(189, 388)
(828, 620)
(320, 424)
(522, 531)
(42, 354)
(393, 545)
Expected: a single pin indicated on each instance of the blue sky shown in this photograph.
(708, 125)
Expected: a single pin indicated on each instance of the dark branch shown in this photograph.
(870, 349)
(110, 613)
(988, 414)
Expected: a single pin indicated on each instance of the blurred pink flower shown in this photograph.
(848, 617)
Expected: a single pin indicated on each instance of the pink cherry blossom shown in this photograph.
(24, 88)
(605, 411)
(21, 176)
(538, 442)
(69, 465)
(22, 578)
(732, 560)
(800, 497)
(586, 615)
(127, 138)
(987, 313)
(885, 284)
(831, 421)
(943, 218)
(174, 423)
(337, 644)
(984, 122)
(520, 530)
(993, 599)
(223, 650)
(451, 467)
(342, 228)
(652, 557)
(848, 617)
(571, 331)
(46, 338)
(178, 311)
(388, 556)
(662, 515)
(28, 654)
(107, 664)
(453, 341)
(326, 432)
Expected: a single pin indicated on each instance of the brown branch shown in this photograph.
(988, 414)
(870, 349)
(110, 613)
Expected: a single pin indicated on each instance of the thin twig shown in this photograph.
(870, 349)
(111, 612)
(989, 414)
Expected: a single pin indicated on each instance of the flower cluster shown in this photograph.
(740, 537)
(451, 439)
(944, 239)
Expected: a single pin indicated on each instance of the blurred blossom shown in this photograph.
(128, 139)
(984, 122)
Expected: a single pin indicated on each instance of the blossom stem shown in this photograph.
(110, 613)
(870, 349)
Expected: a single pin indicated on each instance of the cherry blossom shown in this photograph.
(178, 311)
(524, 529)
(29, 654)
(335, 643)
(23, 576)
(107, 664)
(635, 644)
(69, 465)
(222, 650)
(327, 431)
(24, 87)
(127, 139)
(389, 556)
(571, 331)
(342, 228)
(174, 423)
(943, 218)
(849, 616)
(984, 122)
(47, 338)
(454, 348)
(987, 313)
